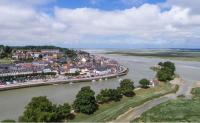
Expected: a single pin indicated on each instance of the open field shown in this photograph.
(110, 111)
(179, 110)
(183, 55)
(5, 61)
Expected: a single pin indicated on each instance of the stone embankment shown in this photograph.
(123, 72)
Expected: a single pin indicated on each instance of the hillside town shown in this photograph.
(52, 64)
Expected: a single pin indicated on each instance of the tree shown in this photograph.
(126, 87)
(170, 66)
(85, 101)
(115, 94)
(103, 97)
(5, 51)
(62, 111)
(164, 74)
(40, 109)
(71, 53)
(167, 71)
(160, 64)
(144, 83)
(107, 95)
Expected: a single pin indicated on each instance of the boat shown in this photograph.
(93, 80)
(71, 83)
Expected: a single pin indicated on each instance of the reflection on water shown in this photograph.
(12, 102)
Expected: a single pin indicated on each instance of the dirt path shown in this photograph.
(132, 113)
(137, 111)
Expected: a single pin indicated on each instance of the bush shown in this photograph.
(8, 121)
(144, 83)
(107, 95)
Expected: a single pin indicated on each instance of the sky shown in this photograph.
(101, 23)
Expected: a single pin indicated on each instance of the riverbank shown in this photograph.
(111, 110)
(52, 82)
(135, 112)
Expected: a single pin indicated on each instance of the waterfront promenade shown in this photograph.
(124, 71)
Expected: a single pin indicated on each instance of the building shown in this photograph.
(52, 54)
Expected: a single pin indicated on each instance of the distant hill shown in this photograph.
(37, 47)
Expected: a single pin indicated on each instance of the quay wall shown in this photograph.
(42, 83)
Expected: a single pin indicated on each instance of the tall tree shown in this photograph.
(126, 87)
(167, 71)
(85, 101)
(40, 109)
(62, 111)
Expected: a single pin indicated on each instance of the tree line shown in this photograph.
(5, 51)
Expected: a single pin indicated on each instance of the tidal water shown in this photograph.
(12, 102)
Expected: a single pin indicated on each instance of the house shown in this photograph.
(52, 54)
(102, 71)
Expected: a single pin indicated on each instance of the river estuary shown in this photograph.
(12, 102)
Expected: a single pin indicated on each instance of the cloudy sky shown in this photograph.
(101, 23)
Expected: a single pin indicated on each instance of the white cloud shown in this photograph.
(146, 24)
(191, 4)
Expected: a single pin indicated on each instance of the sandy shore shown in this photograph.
(196, 84)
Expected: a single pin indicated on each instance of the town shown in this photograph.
(55, 65)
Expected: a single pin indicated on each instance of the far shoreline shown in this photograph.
(184, 59)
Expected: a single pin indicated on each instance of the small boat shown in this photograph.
(106, 78)
(55, 84)
(100, 79)
(71, 83)
(93, 80)
(120, 80)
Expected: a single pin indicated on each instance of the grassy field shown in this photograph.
(180, 110)
(112, 110)
(167, 54)
(5, 61)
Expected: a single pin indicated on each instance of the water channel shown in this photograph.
(12, 102)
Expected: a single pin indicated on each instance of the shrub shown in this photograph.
(107, 95)
(144, 83)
